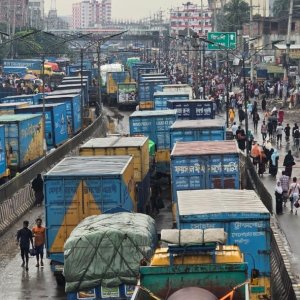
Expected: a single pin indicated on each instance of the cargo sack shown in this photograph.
(107, 250)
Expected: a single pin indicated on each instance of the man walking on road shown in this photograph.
(24, 238)
(284, 181)
(39, 241)
(279, 130)
(294, 195)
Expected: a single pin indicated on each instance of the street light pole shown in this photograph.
(227, 89)
(99, 77)
(245, 104)
(44, 108)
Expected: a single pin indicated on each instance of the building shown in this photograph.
(36, 13)
(191, 17)
(91, 13)
(14, 14)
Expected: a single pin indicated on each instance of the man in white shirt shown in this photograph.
(234, 128)
(279, 131)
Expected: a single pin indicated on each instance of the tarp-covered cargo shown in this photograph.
(107, 250)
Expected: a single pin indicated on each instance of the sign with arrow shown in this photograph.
(221, 40)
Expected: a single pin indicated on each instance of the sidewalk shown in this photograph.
(289, 223)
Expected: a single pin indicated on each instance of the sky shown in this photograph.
(127, 9)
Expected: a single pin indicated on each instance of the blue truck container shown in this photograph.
(193, 109)
(150, 77)
(245, 219)
(3, 164)
(134, 69)
(20, 71)
(146, 71)
(154, 124)
(31, 64)
(123, 292)
(79, 187)
(9, 108)
(73, 106)
(197, 130)
(176, 88)
(31, 99)
(84, 86)
(56, 125)
(146, 89)
(205, 165)
(161, 98)
(23, 138)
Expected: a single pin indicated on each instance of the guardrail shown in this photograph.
(16, 196)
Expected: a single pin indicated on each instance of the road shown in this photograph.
(39, 283)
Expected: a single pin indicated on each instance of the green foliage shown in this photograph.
(280, 7)
(235, 14)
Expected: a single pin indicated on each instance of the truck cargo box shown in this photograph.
(242, 215)
(23, 138)
(197, 130)
(143, 71)
(127, 94)
(73, 106)
(56, 125)
(79, 187)
(185, 88)
(3, 161)
(193, 109)
(9, 108)
(161, 98)
(31, 99)
(135, 146)
(154, 124)
(113, 79)
(204, 165)
(84, 87)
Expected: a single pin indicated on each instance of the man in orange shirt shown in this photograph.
(39, 241)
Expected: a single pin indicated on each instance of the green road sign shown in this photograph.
(222, 40)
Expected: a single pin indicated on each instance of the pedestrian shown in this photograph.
(264, 130)
(279, 130)
(241, 139)
(273, 165)
(38, 186)
(241, 115)
(293, 132)
(256, 118)
(288, 163)
(24, 238)
(231, 114)
(264, 104)
(234, 129)
(294, 195)
(287, 131)
(255, 154)
(284, 181)
(278, 197)
(39, 241)
(270, 129)
(262, 163)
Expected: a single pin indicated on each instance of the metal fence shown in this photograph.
(283, 285)
(16, 196)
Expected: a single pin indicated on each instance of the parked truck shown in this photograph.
(79, 187)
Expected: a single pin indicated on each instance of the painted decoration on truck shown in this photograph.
(127, 93)
(2, 152)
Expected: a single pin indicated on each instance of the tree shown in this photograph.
(235, 14)
(280, 7)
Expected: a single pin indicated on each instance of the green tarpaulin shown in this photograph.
(151, 148)
(107, 250)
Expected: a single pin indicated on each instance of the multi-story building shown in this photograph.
(91, 13)
(191, 17)
(14, 14)
(36, 13)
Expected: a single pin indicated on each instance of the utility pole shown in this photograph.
(216, 29)
(288, 46)
(251, 45)
(202, 33)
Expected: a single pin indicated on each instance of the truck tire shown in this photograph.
(60, 279)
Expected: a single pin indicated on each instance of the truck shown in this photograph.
(194, 269)
(127, 95)
(197, 130)
(193, 109)
(161, 98)
(246, 220)
(78, 187)
(73, 107)
(4, 171)
(79, 85)
(204, 165)
(23, 139)
(56, 125)
(131, 238)
(20, 71)
(135, 146)
(31, 99)
(9, 108)
(186, 88)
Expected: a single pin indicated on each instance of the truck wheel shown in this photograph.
(60, 279)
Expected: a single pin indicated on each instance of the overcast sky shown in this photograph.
(128, 9)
